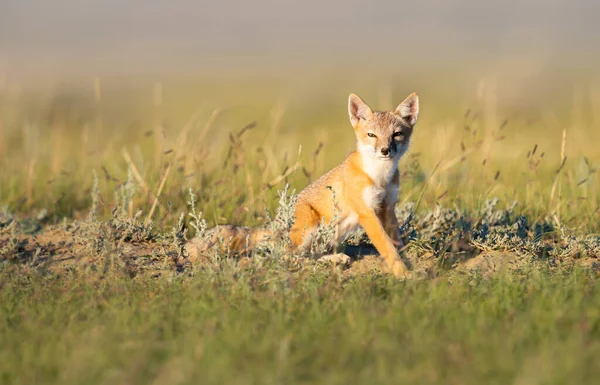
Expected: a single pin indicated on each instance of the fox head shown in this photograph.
(383, 135)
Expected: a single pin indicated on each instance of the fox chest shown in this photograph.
(384, 188)
(376, 197)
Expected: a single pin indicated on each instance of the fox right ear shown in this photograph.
(357, 109)
(409, 109)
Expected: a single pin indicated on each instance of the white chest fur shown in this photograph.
(374, 196)
(380, 171)
(383, 189)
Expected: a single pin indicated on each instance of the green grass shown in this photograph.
(132, 309)
(221, 328)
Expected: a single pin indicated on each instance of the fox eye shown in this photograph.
(371, 135)
(398, 135)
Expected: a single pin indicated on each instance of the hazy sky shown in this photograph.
(137, 32)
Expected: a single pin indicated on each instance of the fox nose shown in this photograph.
(385, 151)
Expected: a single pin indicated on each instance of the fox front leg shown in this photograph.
(388, 219)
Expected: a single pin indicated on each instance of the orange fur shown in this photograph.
(365, 185)
(361, 191)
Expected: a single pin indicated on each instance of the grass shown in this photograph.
(463, 152)
(269, 327)
(500, 201)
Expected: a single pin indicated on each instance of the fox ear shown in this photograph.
(409, 109)
(357, 109)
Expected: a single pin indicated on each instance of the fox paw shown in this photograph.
(400, 271)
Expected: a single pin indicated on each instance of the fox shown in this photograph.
(361, 191)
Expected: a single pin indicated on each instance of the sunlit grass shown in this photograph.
(108, 296)
(265, 327)
(230, 141)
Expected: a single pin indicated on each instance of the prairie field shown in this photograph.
(103, 181)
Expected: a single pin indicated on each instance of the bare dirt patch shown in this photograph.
(129, 247)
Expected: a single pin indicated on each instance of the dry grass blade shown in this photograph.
(157, 196)
(557, 178)
(135, 171)
(284, 175)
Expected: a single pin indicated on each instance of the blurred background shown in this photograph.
(67, 37)
(136, 90)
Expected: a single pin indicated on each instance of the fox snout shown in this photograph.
(381, 145)
(389, 149)
(392, 148)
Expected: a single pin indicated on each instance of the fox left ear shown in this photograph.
(409, 109)
(357, 110)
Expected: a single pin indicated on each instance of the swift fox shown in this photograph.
(365, 186)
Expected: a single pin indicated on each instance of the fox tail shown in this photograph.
(230, 239)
